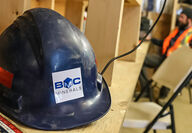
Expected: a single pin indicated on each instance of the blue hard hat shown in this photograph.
(55, 84)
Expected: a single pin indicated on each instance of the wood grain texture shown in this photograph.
(103, 30)
(133, 2)
(43, 3)
(173, 18)
(162, 29)
(60, 6)
(74, 11)
(130, 28)
(10, 10)
(184, 5)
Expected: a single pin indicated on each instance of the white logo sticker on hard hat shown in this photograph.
(67, 85)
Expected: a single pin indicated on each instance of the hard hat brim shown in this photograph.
(67, 116)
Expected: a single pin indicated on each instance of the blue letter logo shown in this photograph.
(76, 81)
(58, 85)
(68, 83)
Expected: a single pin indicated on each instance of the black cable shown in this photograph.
(131, 51)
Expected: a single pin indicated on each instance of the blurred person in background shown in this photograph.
(181, 35)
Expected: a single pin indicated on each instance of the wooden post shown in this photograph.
(85, 4)
(130, 28)
(103, 30)
(173, 18)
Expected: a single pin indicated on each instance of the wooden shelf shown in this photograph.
(42, 3)
(133, 2)
(130, 28)
(184, 5)
(112, 25)
(112, 29)
(71, 9)
(103, 30)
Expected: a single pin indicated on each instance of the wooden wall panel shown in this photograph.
(74, 12)
(35, 3)
(129, 36)
(103, 30)
(10, 10)
(43, 3)
(60, 6)
(162, 29)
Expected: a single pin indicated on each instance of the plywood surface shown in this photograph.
(60, 6)
(74, 11)
(129, 31)
(10, 10)
(124, 81)
(103, 30)
(133, 2)
(184, 5)
(43, 3)
(162, 29)
(174, 15)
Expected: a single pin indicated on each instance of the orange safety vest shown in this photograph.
(184, 38)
